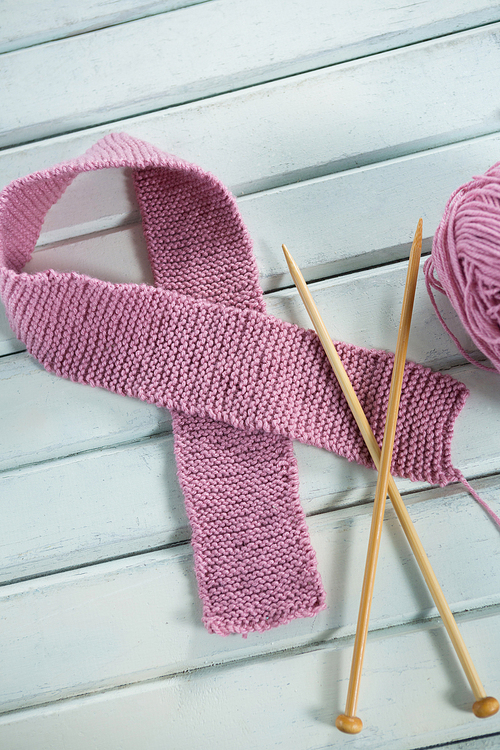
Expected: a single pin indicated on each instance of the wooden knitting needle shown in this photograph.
(484, 706)
(349, 722)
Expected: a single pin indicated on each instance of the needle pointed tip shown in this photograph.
(416, 247)
(289, 260)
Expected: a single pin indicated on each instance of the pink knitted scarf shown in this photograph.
(241, 384)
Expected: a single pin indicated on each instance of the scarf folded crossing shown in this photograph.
(241, 384)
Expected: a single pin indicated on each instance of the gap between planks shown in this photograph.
(267, 655)
(75, 28)
(410, 141)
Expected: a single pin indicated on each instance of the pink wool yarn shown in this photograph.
(241, 384)
(465, 263)
(254, 562)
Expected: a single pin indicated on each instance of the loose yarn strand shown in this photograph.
(431, 281)
(478, 499)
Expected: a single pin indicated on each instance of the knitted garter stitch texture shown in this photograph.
(241, 384)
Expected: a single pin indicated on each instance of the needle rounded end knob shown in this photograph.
(349, 724)
(485, 707)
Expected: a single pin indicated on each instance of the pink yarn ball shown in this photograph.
(465, 262)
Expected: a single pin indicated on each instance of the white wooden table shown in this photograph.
(336, 125)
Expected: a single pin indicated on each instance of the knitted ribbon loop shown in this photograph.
(241, 384)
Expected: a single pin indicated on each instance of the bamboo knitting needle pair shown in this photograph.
(348, 722)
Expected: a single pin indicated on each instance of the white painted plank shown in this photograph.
(320, 215)
(413, 695)
(56, 414)
(100, 255)
(491, 742)
(93, 202)
(361, 106)
(109, 503)
(236, 45)
(324, 219)
(361, 217)
(30, 22)
(90, 507)
(9, 343)
(139, 618)
(185, 131)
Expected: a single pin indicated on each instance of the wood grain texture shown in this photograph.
(335, 134)
(285, 110)
(118, 617)
(289, 701)
(359, 92)
(490, 742)
(31, 22)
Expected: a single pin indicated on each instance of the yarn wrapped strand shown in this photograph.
(465, 264)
